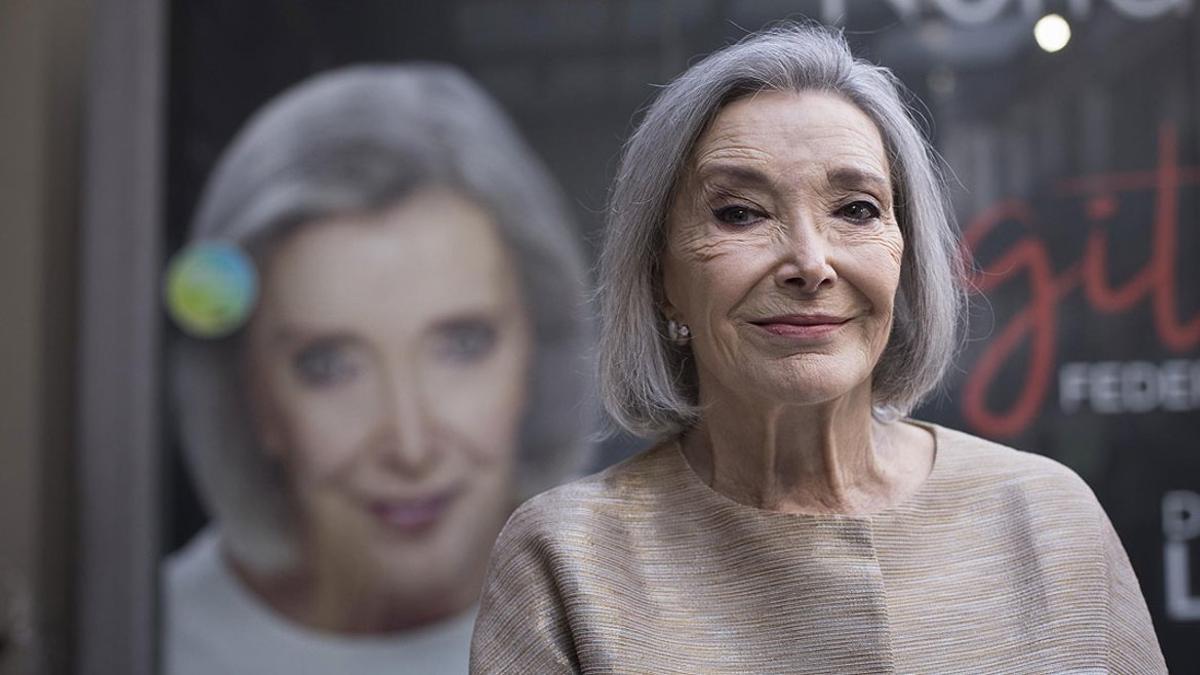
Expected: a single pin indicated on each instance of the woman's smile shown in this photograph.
(414, 516)
(803, 327)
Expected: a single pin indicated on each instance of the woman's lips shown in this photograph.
(410, 516)
(802, 327)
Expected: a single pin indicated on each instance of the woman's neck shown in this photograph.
(831, 457)
(319, 600)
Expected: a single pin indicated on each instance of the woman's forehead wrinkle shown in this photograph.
(752, 152)
(733, 139)
(733, 156)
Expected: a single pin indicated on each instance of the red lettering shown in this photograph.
(1035, 322)
(1166, 224)
(1028, 258)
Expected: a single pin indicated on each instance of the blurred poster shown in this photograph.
(380, 352)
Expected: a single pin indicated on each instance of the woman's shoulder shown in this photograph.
(966, 450)
(202, 608)
(968, 464)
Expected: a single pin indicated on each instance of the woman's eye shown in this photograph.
(737, 215)
(466, 341)
(859, 211)
(325, 364)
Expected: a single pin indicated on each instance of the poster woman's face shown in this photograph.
(387, 367)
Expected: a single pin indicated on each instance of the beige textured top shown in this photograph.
(1001, 562)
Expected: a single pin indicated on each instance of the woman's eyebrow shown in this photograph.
(292, 333)
(854, 177)
(740, 174)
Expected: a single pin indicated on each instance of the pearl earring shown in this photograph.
(678, 332)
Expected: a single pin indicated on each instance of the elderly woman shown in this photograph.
(410, 373)
(780, 286)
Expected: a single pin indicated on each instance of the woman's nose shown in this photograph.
(409, 445)
(804, 262)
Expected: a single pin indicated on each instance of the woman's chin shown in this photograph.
(419, 572)
(810, 386)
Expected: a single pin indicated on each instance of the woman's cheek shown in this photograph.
(887, 283)
(888, 246)
(332, 427)
(874, 261)
(703, 264)
(488, 413)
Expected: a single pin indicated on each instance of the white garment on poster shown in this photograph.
(213, 624)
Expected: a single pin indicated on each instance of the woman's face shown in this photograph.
(783, 252)
(387, 366)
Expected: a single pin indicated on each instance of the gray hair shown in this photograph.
(648, 384)
(361, 139)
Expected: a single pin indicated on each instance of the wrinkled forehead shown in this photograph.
(786, 131)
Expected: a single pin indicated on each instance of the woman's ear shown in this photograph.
(666, 304)
(662, 298)
(668, 312)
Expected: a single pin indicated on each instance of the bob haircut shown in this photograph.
(362, 139)
(647, 383)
